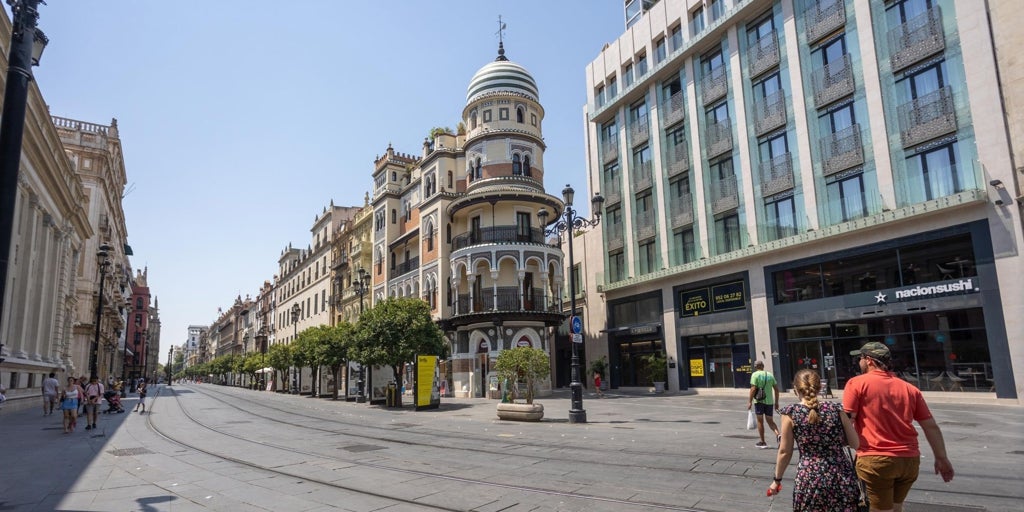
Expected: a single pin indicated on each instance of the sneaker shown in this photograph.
(88, 427)
(762, 445)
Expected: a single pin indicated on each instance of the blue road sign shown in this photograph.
(576, 325)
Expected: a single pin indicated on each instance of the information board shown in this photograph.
(696, 367)
(428, 380)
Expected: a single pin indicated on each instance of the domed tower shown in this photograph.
(505, 276)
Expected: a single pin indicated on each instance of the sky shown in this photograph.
(240, 120)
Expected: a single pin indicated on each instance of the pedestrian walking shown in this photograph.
(764, 398)
(597, 385)
(825, 479)
(69, 398)
(51, 388)
(93, 394)
(141, 390)
(884, 408)
(82, 381)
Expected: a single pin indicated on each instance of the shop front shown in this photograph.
(714, 327)
(933, 299)
(634, 331)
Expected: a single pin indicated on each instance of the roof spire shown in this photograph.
(501, 42)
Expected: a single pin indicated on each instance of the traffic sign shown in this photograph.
(576, 325)
(577, 338)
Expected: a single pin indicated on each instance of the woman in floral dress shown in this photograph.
(825, 479)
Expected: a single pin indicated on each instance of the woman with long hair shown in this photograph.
(825, 479)
(69, 398)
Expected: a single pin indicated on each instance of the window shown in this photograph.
(599, 96)
(611, 177)
(773, 146)
(138, 319)
(577, 278)
(680, 188)
(900, 12)
(523, 231)
(685, 248)
(727, 233)
(759, 29)
(627, 75)
(659, 51)
(487, 116)
(833, 51)
(451, 178)
(477, 172)
(716, 8)
(394, 261)
(647, 257)
(517, 165)
(474, 229)
(697, 20)
(934, 173)
(519, 115)
(780, 215)
(613, 88)
(138, 303)
(394, 216)
(526, 166)
(472, 119)
(718, 114)
(503, 114)
(641, 157)
(430, 237)
(845, 193)
(638, 113)
(711, 62)
(923, 82)
(617, 266)
(671, 87)
(837, 119)
(677, 38)
(634, 10)
(641, 65)
(768, 86)
(533, 119)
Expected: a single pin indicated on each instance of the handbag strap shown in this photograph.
(852, 457)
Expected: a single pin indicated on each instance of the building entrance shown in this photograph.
(630, 358)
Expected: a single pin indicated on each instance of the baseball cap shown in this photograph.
(874, 350)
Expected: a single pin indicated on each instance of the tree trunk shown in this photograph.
(398, 385)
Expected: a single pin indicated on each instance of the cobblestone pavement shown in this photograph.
(209, 447)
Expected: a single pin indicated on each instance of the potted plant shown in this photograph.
(656, 367)
(520, 368)
(600, 367)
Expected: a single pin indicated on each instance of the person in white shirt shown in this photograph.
(51, 386)
(93, 394)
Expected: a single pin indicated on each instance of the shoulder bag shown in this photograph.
(760, 394)
(862, 499)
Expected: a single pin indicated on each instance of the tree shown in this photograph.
(252, 364)
(334, 352)
(523, 363)
(279, 357)
(393, 332)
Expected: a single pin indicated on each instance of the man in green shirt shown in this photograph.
(764, 398)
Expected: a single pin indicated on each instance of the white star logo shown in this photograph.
(880, 298)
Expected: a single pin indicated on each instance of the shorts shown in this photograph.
(91, 406)
(48, 398)
(765, 409)
(888, 479)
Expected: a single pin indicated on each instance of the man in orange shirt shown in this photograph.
(883, 408)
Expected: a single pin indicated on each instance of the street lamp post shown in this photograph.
(296, 311)
(360, 286)
(27, 44)
(104, 260)
(170, 354)
(261, 340)
(569, 223)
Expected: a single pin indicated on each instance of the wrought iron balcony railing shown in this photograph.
(770, 113)
(724, 195)
(927, 117)
(841, 150)
(920, 37)
(833, 81)
(764, 55)
(777, 175)
(823, 18)
(499, 235)
(719, 138)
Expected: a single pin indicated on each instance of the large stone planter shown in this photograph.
(520, 412)
(659, 387)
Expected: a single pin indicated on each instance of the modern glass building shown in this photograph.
(787, 179)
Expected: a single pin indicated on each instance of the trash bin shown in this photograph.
(391, 395)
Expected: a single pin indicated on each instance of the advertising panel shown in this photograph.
(428, 383)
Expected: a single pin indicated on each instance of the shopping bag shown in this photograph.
(751, 420)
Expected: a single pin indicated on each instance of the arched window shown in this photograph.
(517, 165)
(472, 119)
(394, 216)
(519, 115)
(450, 179)
(478, 171)
(394, 176)
(526, 165)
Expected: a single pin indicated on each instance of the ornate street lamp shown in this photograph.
(296, 311)
(360, 287)
(569, 223)
(170, 354)
(103, 257)
(261, 340)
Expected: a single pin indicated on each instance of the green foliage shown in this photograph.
(439, 130)
(523, 363)
(656, 367)
(599, 366)
(334, 351)
(279, 357)
(394, 332)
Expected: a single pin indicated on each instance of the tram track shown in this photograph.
(376, 466)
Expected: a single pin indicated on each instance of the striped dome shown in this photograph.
(502, 75)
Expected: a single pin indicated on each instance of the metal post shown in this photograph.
(101, 257)
(296, 375)
(361, 382)
(24, 35)
(170, 355)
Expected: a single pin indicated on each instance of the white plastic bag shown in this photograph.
(751, 420)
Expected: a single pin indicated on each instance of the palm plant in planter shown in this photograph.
(656, 367)
(522, 364)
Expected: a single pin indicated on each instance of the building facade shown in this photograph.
(788, 179)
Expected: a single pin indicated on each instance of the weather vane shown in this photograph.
(501, 29)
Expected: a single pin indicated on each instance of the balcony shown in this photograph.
(405, 267)
(916, 39)
(612, 191)
(777, 175)
(641, 176)
(822, 20)
(674, 109)
(927, 117)
(639, 132)
(645, 225)
(841, 150)
(724, 195)
(678, 158)
(719, 138)
(833, 81)
(614, 240)
(356, 249)
(681, 210)
(610, 153)
(498, 235)
(505, 298)
(714, 84)
(764, 55)
(770, 113)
